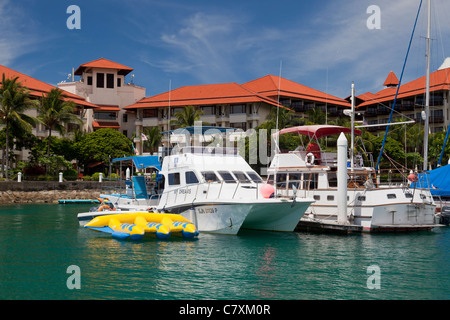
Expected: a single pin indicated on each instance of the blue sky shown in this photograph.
(324, 44)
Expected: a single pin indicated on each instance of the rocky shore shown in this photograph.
(50, 191)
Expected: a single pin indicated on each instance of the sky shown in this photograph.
(323, 44)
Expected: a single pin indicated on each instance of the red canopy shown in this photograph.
(317, 131)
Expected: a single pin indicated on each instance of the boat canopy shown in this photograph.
(437, 180)
(141, 162)
(317, 131)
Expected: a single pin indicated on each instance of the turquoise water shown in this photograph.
(39, 242)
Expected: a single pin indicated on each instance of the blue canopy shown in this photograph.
(141, 162)
(437, 180)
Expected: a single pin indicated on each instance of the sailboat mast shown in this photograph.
(352, 140)
(427, 92)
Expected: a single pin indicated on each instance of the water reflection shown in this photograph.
(40, 242)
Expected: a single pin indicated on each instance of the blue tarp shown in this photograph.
(140, 188)
(437, 180)
(141, 162)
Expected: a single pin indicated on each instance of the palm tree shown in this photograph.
(187, 117)
(14, 101)
(154, 138)
(54, 113)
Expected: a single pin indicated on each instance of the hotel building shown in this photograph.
(410, 101)
(242, 106)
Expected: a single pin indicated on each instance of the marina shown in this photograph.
(224, 187)
(39, 242)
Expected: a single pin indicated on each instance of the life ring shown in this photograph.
(310, 159)
(103, 207)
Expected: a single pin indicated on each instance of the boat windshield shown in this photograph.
(254, 177)
(227, 177)
(210, 176)
(241, 176)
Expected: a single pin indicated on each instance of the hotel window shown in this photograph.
(175, 110)
(89, 80)
(150, 113)
(100, 80)
(239, 125)
(239, 108)
(209, 111)
(119, 82)
(105, 115)
(110, 80)
(125, 117)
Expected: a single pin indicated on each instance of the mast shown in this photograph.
(427, 92)
(352, 141)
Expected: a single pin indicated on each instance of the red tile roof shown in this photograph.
(271, 86)
(391, 80)
(105, 64)
(439, 80)
(104, 107)
(209, 94)
(38, 88)
(105, 124)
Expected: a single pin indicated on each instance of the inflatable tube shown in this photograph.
(137, 224)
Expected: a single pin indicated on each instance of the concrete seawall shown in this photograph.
(50, 191)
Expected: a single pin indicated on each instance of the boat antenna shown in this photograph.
(398, 87)
(278, 107)
(427, 92)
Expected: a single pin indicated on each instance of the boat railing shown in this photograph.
(211, 191)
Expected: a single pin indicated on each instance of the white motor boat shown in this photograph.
(226, 192)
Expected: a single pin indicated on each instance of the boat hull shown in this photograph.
(276, 216)
(215, 217)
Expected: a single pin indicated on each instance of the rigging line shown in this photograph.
(398, 87)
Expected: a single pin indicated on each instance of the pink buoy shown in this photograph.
(267, 190)
(413, 178)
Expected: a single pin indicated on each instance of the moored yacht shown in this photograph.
(311, 172)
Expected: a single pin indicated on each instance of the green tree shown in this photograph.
(55, 113)
(154, 138)
(99, 145)
(14, 102)
(187, 117)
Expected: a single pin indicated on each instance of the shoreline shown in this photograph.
(13, 192)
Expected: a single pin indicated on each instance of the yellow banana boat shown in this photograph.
(136, 225)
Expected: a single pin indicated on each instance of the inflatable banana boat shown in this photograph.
(136, 225)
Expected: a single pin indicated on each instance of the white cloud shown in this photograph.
(224, 46)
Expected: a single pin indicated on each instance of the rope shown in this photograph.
(398, 87)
